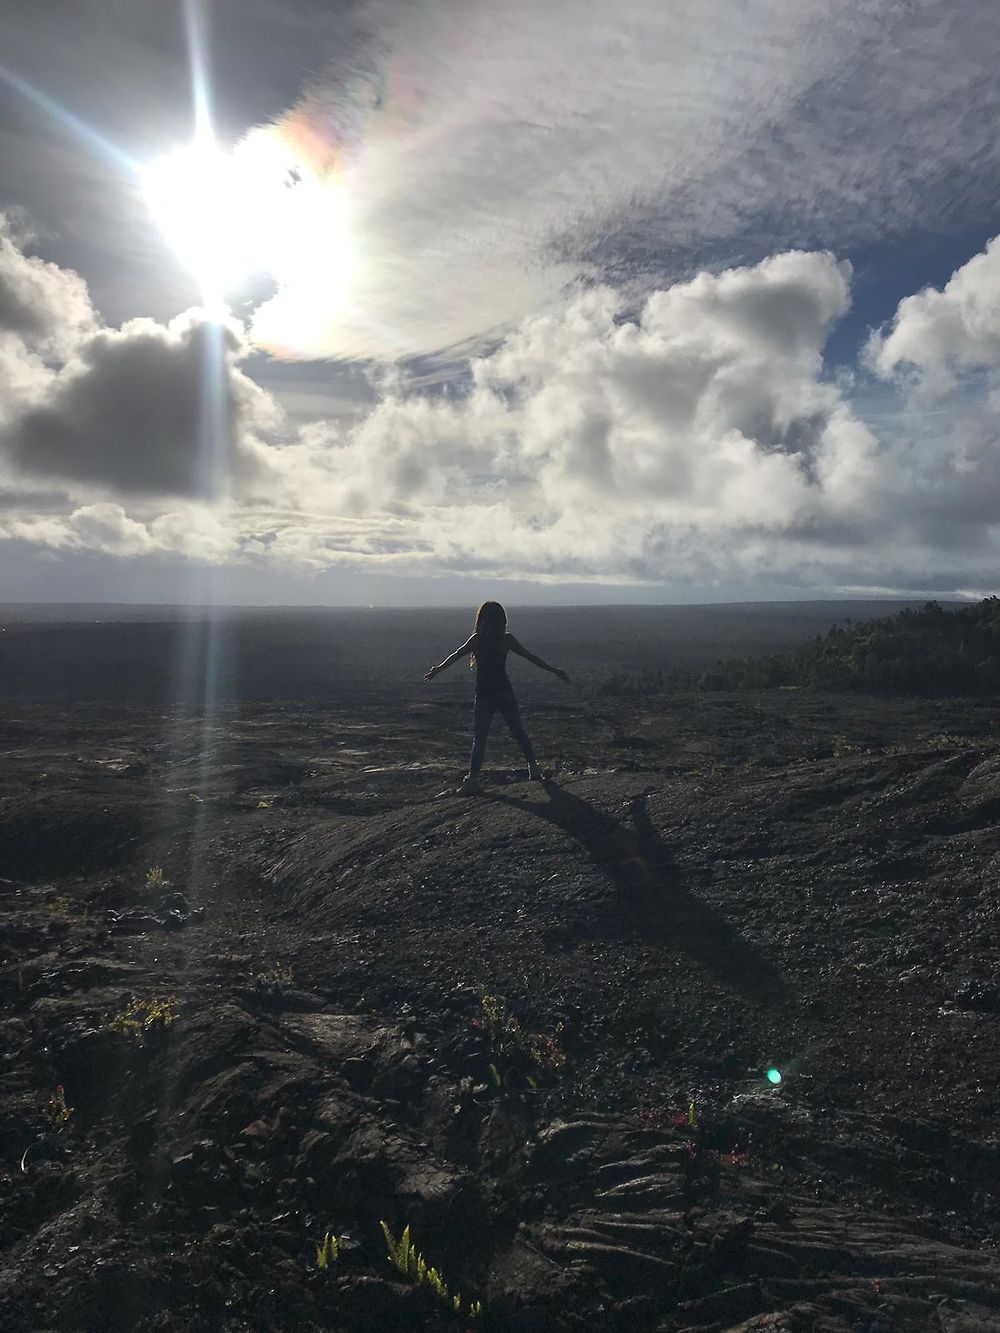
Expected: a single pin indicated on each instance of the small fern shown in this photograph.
(329, 1252)
(405, 1257)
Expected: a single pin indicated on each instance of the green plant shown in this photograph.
(55, 1109)
(143, 1017)
(514, 1052)
(156, 880)
(328, 1252)
(279, 974)
(404, 1256)
(841, 746)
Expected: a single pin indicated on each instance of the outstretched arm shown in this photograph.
(467, 647)
(517, 647)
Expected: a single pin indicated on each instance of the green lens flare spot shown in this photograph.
(774, 1076)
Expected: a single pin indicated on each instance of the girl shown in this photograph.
(489, 645)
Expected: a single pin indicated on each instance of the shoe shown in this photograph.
(535, 774)
(470, 786)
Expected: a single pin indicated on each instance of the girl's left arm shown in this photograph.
(517, 647)
(467, 647)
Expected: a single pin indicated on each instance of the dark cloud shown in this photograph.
(146, 410)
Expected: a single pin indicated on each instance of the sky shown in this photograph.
(408, 302)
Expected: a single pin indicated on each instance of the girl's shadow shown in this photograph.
(652, 892)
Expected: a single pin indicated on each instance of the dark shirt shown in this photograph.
(491, 667)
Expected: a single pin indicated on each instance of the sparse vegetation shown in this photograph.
(842, 746)
(56, 1110)
(156, 880)
(516, 1054)
(940, 741)
(277, 975)
(59, 908)
(705, 893)
(405, 1257)
(928, 650)
(143, 1018)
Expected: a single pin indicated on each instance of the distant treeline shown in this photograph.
(926, 650)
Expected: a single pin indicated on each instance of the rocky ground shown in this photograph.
(283, 1033)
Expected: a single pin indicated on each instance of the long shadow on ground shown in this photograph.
(651, 889)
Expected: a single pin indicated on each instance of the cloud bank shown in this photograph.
(695, 441)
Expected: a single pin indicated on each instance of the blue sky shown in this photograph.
(419, 302)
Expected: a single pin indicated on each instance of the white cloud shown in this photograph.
(45, 307)
(698, 442)
(706, 411)
(194, 532)
(936, 336)
(942, 352)
(45, 311)
(42, 530)
(106, 527)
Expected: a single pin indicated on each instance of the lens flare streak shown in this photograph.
(97, 142)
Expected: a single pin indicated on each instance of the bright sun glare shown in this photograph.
(229, 215)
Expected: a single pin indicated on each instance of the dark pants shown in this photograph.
(506, 705)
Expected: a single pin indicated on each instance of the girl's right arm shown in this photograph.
(469, 646)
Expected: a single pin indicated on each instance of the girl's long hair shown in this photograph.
(491, 623)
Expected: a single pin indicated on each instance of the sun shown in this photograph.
(254, 209)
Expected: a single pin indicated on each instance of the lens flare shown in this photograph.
(255, 209)
(774, 1076)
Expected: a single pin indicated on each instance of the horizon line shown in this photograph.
(886, 598)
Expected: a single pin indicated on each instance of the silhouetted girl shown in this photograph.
(489, 645)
